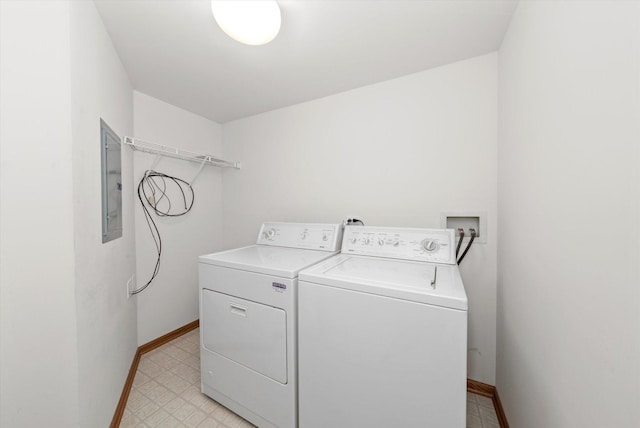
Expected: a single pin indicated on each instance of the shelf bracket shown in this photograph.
(155, 163)
(204, 161)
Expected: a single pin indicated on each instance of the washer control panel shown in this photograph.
(311, 236)
(428, 245)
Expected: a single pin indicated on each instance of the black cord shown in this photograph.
(473, 236)
(352, 221)
(152, 192)
(461, 235)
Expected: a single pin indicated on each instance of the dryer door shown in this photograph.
(246, 332)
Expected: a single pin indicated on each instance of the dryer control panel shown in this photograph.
(428, 245)
(310, 236)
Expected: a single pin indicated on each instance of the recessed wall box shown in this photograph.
(466, 220)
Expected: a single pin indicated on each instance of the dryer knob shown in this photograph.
(353, 240)
(380, 242)
(367, 241)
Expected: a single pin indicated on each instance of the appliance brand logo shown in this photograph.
(280, 288)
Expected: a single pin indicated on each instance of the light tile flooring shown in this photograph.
(480, 412)
(166, 393)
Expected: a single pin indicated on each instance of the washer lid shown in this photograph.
(402, 279)
(278, 261)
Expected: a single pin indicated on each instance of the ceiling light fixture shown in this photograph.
(249, 22)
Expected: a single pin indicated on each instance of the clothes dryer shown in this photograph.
(383, 333)
(248, 320)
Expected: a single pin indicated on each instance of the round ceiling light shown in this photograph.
(249, 22)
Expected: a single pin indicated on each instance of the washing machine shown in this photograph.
(382, 333)
(248, 322)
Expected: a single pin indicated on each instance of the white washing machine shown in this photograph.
(248, 304)
(382, 333)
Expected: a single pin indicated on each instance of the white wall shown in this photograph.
(68, 332)
(171, 301)
(107, 333)
(569, 204)
(397, 153)
(38, 341)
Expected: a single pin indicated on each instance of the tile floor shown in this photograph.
(166, 393)
(480, 412)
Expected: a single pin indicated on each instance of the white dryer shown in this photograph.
(383, 333)
(248, 322)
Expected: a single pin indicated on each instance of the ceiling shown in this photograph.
(174, 51)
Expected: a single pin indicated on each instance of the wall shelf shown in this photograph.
(158, 149)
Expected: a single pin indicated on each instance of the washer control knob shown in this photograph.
(325, 237)
(367, 241)
(268, 234)
(396, 242)
(429, 245)
(353, 240)
(380, 242)
(303, 235)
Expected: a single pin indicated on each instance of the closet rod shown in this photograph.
(158, 149)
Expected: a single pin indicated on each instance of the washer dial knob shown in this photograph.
(429, 245)
(353, 240)
(268, 234)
